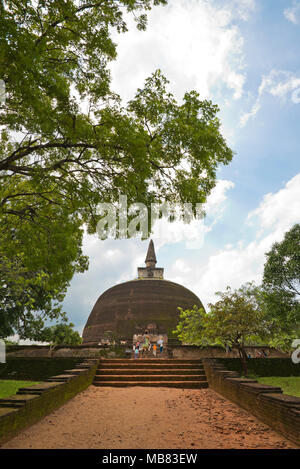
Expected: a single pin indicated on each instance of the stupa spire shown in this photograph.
(151, 257)
(150, 271)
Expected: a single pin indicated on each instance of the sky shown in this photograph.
(244, 56)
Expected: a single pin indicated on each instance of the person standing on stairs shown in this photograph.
(160, 342)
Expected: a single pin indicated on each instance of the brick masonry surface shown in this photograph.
(33, 403)
(280, 411)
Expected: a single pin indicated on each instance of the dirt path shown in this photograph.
(149, 418)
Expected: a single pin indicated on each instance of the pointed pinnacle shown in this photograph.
(151, 253)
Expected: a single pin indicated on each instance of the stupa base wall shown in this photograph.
(95, 351)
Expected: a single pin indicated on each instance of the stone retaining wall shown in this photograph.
(263, 366)
(35, 368)
(94, 351)
(280, 411)
(192, 351)
(35, 402)
(67, 351)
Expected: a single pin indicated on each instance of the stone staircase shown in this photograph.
(159, 372)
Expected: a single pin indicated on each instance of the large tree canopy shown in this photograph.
(54, 56)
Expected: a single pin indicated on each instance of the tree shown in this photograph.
(54, 55)
(60, 334)
(191, 327)
(112, 337)
(37, 262)
(281, 284)
(235, 320)
(282, 268)
(68, 143)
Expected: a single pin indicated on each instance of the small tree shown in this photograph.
(60, 334)
(282, 269)
(111, 337)
(237, 318)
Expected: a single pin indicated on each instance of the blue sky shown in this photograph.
(244, 56)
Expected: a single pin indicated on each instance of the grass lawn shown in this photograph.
(8, 387)
(289, 385)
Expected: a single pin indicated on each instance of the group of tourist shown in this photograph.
(140, 348)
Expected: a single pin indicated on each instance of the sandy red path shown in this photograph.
(149, 418)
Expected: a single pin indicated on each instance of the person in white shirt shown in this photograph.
(160, 342)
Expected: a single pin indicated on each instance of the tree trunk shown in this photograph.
(243, 357)
(51, 350)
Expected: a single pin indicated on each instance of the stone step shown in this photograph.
(16, 401)
(37, 389)
(33, 392)
(14, 405)
(149, 378)
(169, 384)
(149, 356)
(88, 362)
(149, 360)
(149, 371)
(75, 371)
(60, 378)
(138, 366)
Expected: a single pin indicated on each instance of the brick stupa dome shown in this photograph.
(150, 302)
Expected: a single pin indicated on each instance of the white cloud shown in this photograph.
(293, 13)
(204, 273)
(242, 8)
(280, 210)
(214, 205)
(235, 265)
(114, 261)
(16, 338)
(249, 115)
(194, 232)
(278, 83)
(111, 262)
(196, 43)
